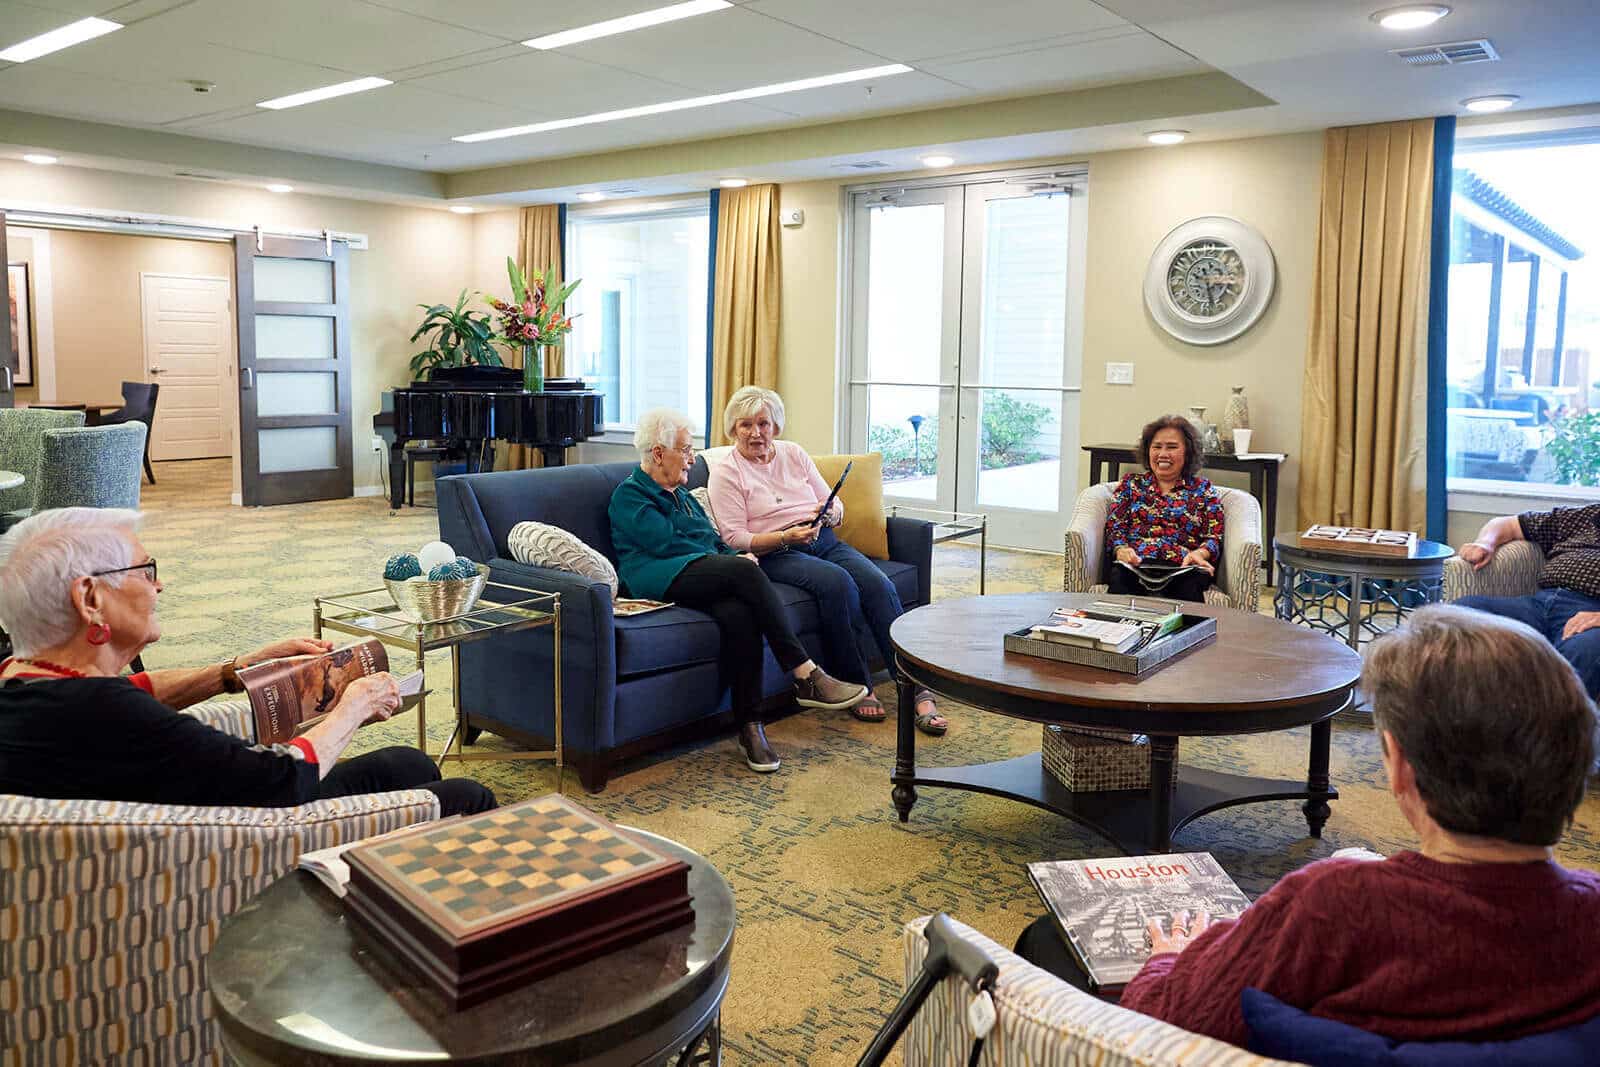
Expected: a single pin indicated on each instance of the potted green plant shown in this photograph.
(533, 318)
(458, 337)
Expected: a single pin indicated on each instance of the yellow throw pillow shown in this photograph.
(864, 528)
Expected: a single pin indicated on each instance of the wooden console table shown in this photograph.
(1263, 471)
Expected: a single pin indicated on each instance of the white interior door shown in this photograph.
(188, 351)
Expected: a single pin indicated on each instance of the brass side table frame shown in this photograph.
(372, 613)
(953, 526)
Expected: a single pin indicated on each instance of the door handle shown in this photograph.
(8, 386)
(155, 370)
(247, 378)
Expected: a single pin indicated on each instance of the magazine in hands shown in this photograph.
(289, 696)
(1102, 907)
(826, 504)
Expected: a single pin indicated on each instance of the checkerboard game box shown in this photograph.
(481, 904)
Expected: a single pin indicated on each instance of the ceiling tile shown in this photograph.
(1133, 57)
(550, 85)
(279, 129)
(63, 11)
(53, 91)
(912, 30)
(725, 50)
(902, 91)
(517, 19)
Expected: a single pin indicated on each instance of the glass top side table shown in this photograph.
(952, 526)
(372, 613)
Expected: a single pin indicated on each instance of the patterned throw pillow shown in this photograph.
(542, 545)
(703, 496)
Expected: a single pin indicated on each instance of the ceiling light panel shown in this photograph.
(1410, 17)
(628, 23)
(40, 159)
(753, 93)
(57, 39)
(326, 92)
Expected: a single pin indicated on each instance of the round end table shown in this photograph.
(1348, 595)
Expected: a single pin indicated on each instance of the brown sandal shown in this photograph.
(929, 722)
(867, 706)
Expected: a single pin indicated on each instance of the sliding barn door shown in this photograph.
(294, 369)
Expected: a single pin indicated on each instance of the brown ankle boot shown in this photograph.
(757, 753)
(819, 690)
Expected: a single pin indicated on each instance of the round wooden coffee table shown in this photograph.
(1257, 675)
(290, 984)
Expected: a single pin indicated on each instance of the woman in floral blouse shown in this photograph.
(1166, 514)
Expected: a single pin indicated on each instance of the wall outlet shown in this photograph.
(1119, 373)
(378, 446)
(792, 217)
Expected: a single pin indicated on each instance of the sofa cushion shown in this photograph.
(1281, 1030)
(675, 637)
(864, 527)
(543, 545)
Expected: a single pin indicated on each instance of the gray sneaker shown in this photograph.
(819, 690)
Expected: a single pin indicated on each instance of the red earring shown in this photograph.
(99, 633)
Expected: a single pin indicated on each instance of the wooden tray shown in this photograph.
(1360, 541)
(1196, 630)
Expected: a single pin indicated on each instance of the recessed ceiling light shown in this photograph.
(1410, 17)
(591, 197)
(937, 161)
(57, 39)
(1490, 103)
(735, 183)
(627, 23)
(1166, 136)
(327, 92)
(462, 209)
(279, 187)
(689, 102)
(40, 158)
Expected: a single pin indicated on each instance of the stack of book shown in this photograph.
(1086, 759)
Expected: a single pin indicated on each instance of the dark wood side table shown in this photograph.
(291, 983)
(1258, 675)
(1263, 471)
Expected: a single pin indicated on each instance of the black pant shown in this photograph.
(398, 767)
(1191, 586)
(738, 594)
(1042, 945)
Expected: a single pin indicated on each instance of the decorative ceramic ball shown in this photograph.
(434, 553)
(402, 566)
(465, 568)
(444, 572)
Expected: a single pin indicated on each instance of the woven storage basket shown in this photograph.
(1087, 763)
(432, 601)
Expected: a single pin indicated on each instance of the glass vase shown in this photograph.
(533, 368)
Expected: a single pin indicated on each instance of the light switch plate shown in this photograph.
(1119, 373)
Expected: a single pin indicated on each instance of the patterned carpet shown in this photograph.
(823, 873)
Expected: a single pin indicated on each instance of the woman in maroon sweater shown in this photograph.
(1480, 935)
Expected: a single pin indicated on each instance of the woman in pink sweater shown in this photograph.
(757, 493)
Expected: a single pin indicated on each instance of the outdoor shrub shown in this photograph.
(1010, 428)
(1576, 449)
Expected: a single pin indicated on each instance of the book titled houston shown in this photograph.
(289, 696)
(481, 904)
(1101, 906)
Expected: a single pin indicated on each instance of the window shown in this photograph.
(640, 332)
(1523, 390)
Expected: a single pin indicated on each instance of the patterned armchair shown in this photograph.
(22, 445)
(1514, 571)
(1238, 571)
(1042, 1021)
(107, 910)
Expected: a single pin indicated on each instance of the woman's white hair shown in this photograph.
(659, 426)
(43, 555)
(747, 403)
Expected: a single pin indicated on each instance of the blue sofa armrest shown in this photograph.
(911, 541)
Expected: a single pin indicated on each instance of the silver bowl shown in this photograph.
(429, 601)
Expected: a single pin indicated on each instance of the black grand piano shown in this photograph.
(471, 407)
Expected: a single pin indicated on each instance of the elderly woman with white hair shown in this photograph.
(667, 549)
(765, 495)
(78, 597)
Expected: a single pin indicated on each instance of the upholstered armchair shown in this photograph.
(22, 446)
(91, 467)
(1514, 571)
(107, 910)
(1238, 582)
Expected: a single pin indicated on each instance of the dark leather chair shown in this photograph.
(138, 405)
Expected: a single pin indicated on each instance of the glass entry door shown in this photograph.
(965, 350)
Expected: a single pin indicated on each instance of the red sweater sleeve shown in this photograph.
(1272, 946)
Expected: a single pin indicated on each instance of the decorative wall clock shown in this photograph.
(1209, 280)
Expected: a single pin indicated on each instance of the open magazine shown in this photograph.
(1101, 906)
(624, 606)
(289, 696)
(328, 863)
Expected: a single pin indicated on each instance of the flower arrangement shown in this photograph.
(533, 317)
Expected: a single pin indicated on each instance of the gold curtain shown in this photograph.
(744, 323)
(538, 247)
(1363, 441)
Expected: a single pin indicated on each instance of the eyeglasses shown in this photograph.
(687, 451)
(148, 567)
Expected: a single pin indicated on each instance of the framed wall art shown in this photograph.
(21, 301)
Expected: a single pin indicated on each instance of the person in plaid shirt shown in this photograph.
(1566, 609)
(1166, 514)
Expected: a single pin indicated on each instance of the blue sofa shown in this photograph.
(630, 685)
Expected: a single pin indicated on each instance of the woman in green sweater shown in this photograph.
(667, 549)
